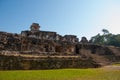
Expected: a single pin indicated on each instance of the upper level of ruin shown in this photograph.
(35, 32)
(44, 42)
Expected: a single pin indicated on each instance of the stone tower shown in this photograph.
(34, 27)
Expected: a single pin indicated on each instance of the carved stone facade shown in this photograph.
(35, 40)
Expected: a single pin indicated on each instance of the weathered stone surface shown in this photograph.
(18, 63)
(46, 43)
(84, 40)
(16, 42)
(34, 27)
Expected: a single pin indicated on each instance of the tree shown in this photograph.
(105, 31)
(98, 39)
(106, 39)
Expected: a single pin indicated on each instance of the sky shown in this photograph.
(66, 17)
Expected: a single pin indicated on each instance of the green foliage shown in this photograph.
(106, 39)
(61, 74)
(105, 31)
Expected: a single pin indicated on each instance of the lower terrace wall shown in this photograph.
(27, 63)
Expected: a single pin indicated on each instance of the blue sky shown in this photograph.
(76, 17)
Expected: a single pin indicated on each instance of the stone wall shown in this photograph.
(31, 43)
(25, 63)
(15, 42)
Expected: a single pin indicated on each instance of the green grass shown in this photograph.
(116, 64)
(61, 74)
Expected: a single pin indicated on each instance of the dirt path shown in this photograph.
(111, 67)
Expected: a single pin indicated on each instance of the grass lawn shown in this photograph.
(61, 74)
(116, 64)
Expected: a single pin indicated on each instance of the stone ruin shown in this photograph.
(42, 42)
(84, 40)
(37, 49)
(47, 35)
